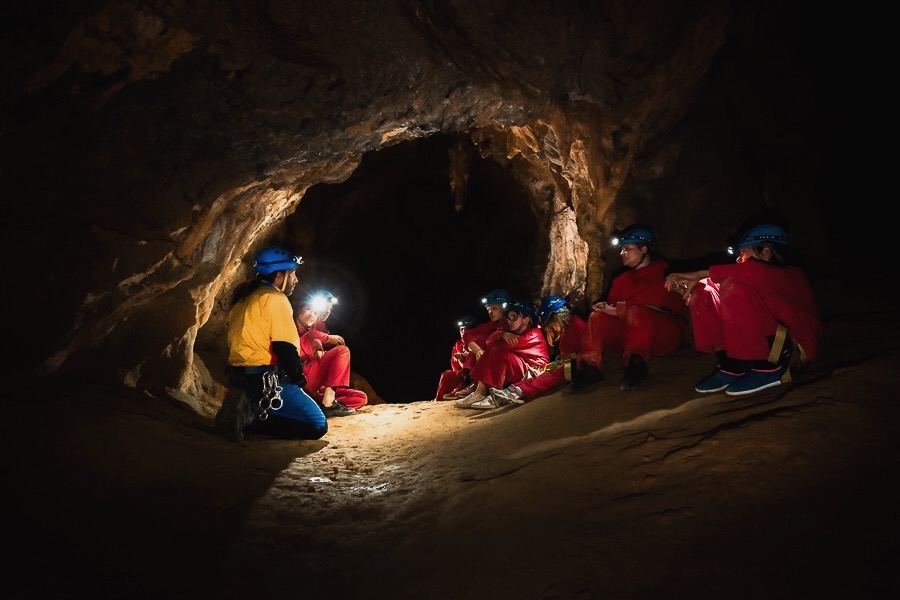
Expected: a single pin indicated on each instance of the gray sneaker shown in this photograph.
(486, 403)
(469, 400)
(505, 396)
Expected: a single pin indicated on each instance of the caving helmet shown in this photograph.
(636, 234)
(764, 234)
(467, 321)
(549, 306)
(523, 308)
(497, 296)
(273, 259)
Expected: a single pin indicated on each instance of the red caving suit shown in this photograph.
(503, 364)
(331, 370)
(740, 304)
(638, 328)
(453, 377)
(569, 343)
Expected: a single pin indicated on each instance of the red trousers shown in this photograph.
(640, 330)
(731, 317)
(333, 370)
(499, 366)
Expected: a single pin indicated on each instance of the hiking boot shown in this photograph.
(587, 376)
(235, 415)
(635, 373)
(717, 382)
(507, 395)
(755, 380)
(469, 400)
(338, 409)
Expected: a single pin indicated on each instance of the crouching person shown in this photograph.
(265, 373)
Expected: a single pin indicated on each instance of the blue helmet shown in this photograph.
(498, 296)
(467, 321)
(275, 259)
(764, 234)
(523, 308)
(635, 234)
(550, 305)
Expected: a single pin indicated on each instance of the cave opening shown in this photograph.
(405, 264)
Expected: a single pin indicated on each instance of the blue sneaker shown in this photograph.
(754, 381)
(717, 382)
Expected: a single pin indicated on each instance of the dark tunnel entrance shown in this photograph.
(406, 265)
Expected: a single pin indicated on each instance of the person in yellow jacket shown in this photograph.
(266, 376)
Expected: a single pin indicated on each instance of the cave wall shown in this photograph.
(151, 147)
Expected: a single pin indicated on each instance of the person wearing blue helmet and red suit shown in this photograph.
(512, 353)
(461, 362)
(475, 338)
(639, 319)
(758, 314)
(266, 376)
(563, 331)
(327, 369)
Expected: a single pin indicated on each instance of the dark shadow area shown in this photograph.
(406, 265)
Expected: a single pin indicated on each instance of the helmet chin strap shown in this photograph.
(284, 278)
(643, 256)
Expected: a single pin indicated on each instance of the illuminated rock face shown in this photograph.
(151, 150)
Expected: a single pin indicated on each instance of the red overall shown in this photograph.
(452, 377)
(639, 327)
(331, 370)
(569, 343)
(503, 364)
(741, 304)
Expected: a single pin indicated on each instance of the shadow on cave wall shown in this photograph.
(406, 265)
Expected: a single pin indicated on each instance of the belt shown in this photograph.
(256, 370)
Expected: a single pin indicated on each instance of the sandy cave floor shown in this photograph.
(658, 492)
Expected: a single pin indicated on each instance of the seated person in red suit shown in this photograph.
(461, 361)
(327, 371)
(639, 319)
(563, 331)
(475, 338)
(511, 354)
(758, 315)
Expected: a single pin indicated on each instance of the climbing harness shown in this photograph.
(795, 353)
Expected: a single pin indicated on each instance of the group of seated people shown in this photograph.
(758, 316)
(288, 374)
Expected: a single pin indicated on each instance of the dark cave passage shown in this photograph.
(406, 265)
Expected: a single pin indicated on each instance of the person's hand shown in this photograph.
(682, 284)
(336, 340)
(510, 338)
(460, 356)
(607, 308)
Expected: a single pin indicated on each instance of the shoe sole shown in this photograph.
(484, 407)
(754, 390)
(718, 389)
